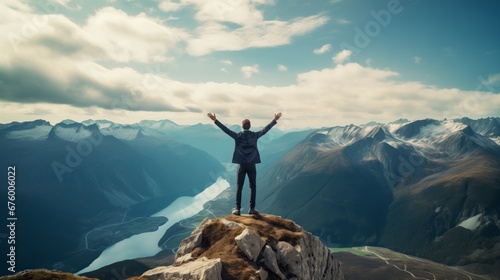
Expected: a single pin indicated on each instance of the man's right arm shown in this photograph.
(225, 129)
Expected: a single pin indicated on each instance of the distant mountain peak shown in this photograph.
(73, 132)
(413, 128)
(400, 121)
(32, 130)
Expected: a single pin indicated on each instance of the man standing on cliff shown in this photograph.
(246, 155)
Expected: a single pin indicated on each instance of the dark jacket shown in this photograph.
(245, 143)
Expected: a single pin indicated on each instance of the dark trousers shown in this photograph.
(251, 172)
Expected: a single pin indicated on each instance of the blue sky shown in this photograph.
(321, 63)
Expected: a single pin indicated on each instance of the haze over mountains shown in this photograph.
(429, 188)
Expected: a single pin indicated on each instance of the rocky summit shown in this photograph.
(250, 247)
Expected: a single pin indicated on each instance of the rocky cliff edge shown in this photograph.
(250, 247)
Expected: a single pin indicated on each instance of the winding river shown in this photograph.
(146, 244)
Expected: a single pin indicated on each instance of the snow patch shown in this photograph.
(40, 132)
(72, 134)
(471, 223)
(392, 127)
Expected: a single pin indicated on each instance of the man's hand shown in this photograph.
(277, 116)
(212, 116)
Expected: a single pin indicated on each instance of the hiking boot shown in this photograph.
(236, 212)
(252, 211)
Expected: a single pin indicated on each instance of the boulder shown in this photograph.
(269, 260)
(289, 258)
(250, 243)
(200, 269)
(194, 240)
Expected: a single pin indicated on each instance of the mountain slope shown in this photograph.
(72, 179)
(411, 186)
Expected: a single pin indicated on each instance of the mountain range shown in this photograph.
(81, 188)
(429, 188)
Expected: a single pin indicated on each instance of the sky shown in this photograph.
(320, 63)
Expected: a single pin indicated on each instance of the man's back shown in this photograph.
(245, 143)
(246, 155)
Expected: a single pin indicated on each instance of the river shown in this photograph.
(146, 244)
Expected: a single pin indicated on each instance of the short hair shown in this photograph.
(245, 124)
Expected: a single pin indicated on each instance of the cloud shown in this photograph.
(227, 62)
(65, 3)
(214, 36)
(108, 35)
(241, 12)
(346, 93)
(282, 68)
(170, 6)
(249, 28)
(342, 56)
(342, 21)
(128, 38)
(323, 49)
(248, 71)
(63, 70)
(417, 59)
(493, 79)
(56, 61)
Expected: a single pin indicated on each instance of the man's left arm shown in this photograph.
(270, 125)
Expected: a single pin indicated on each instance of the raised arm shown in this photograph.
(268, 127)
(221, 126)
(212, 116)
(277, 116)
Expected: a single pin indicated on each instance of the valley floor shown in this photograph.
(381, 263)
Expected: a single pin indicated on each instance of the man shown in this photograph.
(246, 155)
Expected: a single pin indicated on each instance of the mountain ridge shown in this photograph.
(405, 169)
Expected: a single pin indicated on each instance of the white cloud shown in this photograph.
(109, 34)
(253, 30)
(346, 93)
(323, 49)
(282, 68)
(493, 79)
(227, 62)
(63, 57)
(66, 4)
(242, 12)
(342, 56)
(170, 6)
(61, 70)
(417, 59)
(132, 38)
(248, 71)
(342, 21)
(213, 36)
(223, 70)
